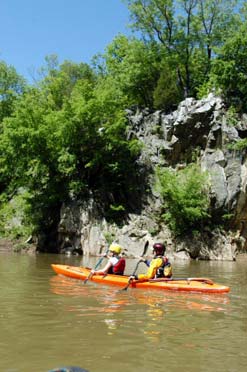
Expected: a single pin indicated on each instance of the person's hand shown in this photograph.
(131, 278)
(92, 272)
(141, 259)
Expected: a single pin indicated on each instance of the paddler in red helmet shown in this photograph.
(158, 267)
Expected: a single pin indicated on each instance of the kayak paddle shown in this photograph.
(96, 266)
(143, 254)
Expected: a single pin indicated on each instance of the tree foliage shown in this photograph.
(134, 65)
(11, 86)
(185, 198)
(67, 138)
(186, 30)
(229, 71)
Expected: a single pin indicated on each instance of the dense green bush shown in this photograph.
(14, 214)
(185, 198)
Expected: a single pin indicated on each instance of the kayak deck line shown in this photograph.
(202, 285)
(169, 280)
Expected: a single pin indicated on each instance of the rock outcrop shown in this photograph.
(197, 128)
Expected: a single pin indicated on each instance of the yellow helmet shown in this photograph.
(116, 248)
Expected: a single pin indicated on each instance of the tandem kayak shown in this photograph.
(202, 285)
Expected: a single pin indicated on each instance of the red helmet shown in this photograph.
(159, 249)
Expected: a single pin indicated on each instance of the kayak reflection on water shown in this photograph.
(111, 300)
(68, 369)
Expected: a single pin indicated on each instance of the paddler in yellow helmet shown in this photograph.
(115, 264)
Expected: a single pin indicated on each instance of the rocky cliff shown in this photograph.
(202, 128)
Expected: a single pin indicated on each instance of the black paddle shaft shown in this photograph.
(143, 254)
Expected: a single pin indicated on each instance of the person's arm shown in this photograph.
(154, 265)
(147, 262)
(102, 271)
(144, 260)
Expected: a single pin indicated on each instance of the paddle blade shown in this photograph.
(89, 277)
(145, 248)
(126, 287)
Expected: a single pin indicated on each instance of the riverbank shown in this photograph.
(6, 246)
(16, 246)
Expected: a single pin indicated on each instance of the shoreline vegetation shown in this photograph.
(16, 246)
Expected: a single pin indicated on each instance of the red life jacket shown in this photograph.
(118, 268)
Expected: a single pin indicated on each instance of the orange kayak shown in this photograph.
(202, 285)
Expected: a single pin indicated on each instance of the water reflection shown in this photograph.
(125, 312)
(111, 300)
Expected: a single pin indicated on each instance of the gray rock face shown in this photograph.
(198, 128)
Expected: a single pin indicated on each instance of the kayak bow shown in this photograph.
(183, 284)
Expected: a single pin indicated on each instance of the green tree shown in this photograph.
(167, 93)
(216, 21)
(59, 80)
(75, 148)
(135, 66)
(11, 87)
(229, 70)
(186, 30)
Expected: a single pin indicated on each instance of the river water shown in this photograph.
(50, 321)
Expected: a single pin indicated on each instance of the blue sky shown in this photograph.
(74, 30)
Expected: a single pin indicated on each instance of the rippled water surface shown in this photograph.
(48, 321)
